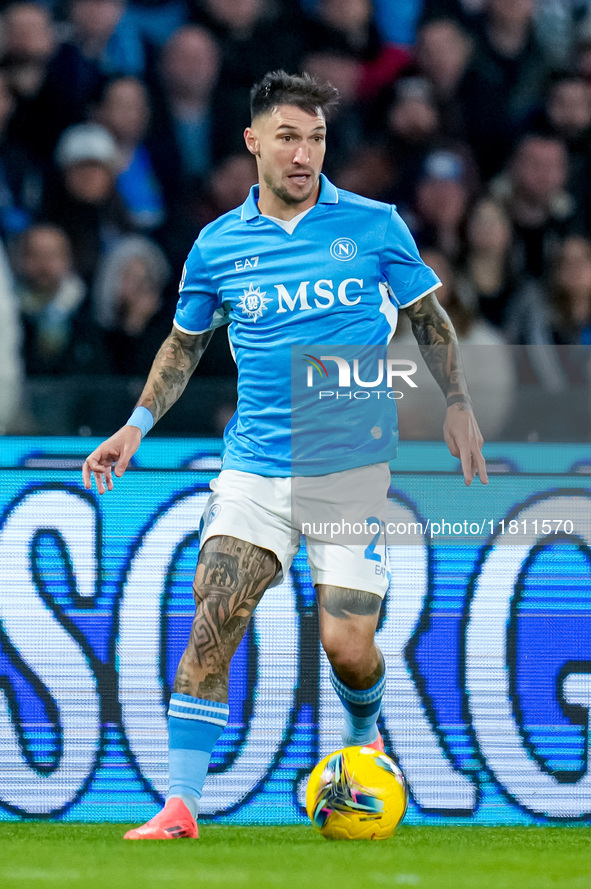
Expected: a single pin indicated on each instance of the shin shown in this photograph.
(230, 580)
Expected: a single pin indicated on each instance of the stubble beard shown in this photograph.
(281, 192)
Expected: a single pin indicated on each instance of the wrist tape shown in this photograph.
(142, 419)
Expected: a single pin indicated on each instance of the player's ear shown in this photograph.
(252, 143)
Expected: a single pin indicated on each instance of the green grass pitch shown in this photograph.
(43, 856)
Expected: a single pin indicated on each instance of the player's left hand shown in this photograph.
(464, 440)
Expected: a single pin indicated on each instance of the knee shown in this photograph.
(347, 655)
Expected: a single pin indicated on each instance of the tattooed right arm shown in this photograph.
(171, 370)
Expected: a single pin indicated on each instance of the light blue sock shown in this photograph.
(194, 726)
(361, 710)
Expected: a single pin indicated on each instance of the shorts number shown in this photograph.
(370, 551)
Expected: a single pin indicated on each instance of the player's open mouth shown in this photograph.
(300, 178)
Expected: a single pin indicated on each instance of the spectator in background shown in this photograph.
(556, 24)
(397, 22)
(28, 47)
(84, 201)
(189, 68)
(124, 110)
(20, 179)
(571, 293)
(533, 193)
(558, 312)
(443, 196)
(28, 43)
(103, 34)
(412, 131)
(156, 20)
(229, 18)
(555, 21)
(444, 51)
(581, 51)
(567, 112)
(58, 82)
(486, 282)
(510, 62)
(552, 322)
(467, 322)
(255, 36)
(370, 171)
(347, 28)
(51, 299)
(11, 365)
(131, 306)
(226, 187)
(567, 115)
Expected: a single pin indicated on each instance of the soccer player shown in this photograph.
(300, 262)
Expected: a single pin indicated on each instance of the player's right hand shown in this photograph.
(118, 450)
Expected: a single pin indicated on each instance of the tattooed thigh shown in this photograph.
(230, 579)
(344, 603)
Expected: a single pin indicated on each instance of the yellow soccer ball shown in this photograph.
(356, 793)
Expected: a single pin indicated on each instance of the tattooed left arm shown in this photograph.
(439, 347)
(438, 343)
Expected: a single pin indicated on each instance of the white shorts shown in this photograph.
(344, 548)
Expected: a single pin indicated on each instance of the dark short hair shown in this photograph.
(280, 88)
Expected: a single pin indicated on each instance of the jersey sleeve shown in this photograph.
(199, 307)
(407, 275)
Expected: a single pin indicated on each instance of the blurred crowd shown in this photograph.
(121, 137)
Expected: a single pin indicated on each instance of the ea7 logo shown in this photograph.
(343, 249)
(246, 263)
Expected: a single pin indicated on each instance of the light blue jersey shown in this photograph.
(338, 279)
